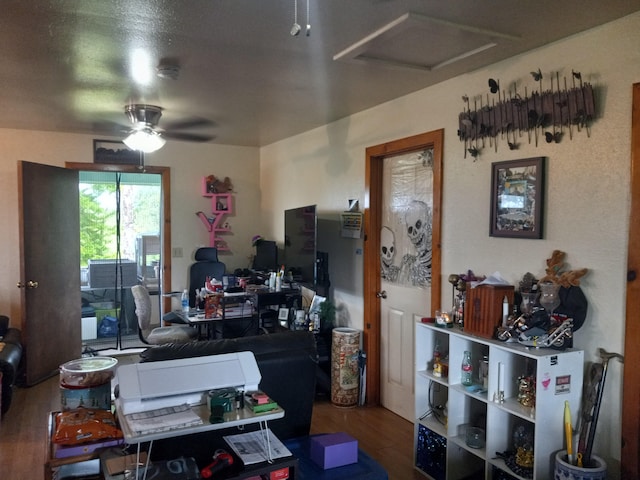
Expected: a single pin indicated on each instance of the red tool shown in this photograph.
(221, 460)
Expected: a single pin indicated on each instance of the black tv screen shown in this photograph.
(300, 243)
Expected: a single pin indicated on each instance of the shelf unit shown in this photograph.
(216, 224)
(444, 408)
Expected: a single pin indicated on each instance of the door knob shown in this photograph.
(382, 294)
(29, 284)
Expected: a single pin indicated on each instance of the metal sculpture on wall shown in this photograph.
(513, 117)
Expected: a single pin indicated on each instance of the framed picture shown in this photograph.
(283, 314)
(116, 153)
(517, 198)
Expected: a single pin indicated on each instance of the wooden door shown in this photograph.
(49, 268)
(388, 328)
(630, 458)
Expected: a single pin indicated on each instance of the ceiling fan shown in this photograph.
(145, 134)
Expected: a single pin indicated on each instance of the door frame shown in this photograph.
(164, 173)
(630, 455)
(371, 245)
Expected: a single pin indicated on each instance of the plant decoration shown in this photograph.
(327, 314)
(511, 115)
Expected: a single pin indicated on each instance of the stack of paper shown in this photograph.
(163, 419)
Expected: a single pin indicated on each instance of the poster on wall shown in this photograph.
(351, 224)
(407, 219)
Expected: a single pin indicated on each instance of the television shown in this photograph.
(300, 237)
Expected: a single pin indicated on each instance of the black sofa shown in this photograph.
(287, 361)
(10, 356)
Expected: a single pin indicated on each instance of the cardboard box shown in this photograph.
(333, 450)
(483, 308)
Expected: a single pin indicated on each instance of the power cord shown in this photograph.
(437, 411)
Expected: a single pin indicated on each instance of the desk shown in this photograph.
(232, 322)
(286, 298)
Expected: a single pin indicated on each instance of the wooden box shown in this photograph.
(483, 308)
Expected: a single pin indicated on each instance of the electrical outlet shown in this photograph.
(176, 252)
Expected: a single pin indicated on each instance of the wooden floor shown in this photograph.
(383, 435)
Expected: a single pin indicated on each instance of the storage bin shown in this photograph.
(483, 308)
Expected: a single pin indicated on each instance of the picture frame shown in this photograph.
(115, 153)
(517, 198)
(283, 314)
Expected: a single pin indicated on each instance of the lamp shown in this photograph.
(145, 140)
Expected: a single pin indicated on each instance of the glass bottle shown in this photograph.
(466, 372)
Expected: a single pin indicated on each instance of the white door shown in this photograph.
(406, 266)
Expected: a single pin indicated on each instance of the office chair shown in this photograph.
(206, 265)
(158, 335)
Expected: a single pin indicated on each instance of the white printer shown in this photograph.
(149, 386)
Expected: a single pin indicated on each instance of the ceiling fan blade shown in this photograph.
(189, 137)
(188, 123)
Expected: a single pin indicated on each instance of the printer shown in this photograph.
(153, 385)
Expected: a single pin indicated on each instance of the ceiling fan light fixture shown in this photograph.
(145, 140)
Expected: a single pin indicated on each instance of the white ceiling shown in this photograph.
(67, 63)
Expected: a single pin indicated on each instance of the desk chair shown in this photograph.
(206, 265)
(158, 335)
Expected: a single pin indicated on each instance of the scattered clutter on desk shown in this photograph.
(181, 468)
(333, 450)
(117, 464)
(224, 400)
(83, 425)
(86, 382)
(221, 460)
(259, 402)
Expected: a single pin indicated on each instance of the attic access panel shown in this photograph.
(422, 42)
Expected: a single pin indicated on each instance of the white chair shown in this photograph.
(158, 335)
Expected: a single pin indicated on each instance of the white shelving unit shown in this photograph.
(445, 408)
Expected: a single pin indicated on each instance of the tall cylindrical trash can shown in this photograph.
(345, 371)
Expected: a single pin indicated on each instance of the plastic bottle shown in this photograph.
(278, 282)
(466, 372)
(185, 301)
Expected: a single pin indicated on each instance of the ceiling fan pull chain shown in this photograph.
(308, 20)
(295, 29)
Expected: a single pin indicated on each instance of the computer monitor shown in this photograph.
(266, 256)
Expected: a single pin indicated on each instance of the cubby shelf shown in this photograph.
(558, 376)
(215, 223)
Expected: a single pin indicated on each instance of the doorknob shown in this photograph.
(29, 284)
(382, 294)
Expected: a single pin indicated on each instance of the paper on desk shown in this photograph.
(495, 278)
(256, 447)
(163, 419)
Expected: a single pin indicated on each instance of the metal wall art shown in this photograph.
(513, 117)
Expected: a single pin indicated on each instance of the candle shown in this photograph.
(505, 311)
(500, 377)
